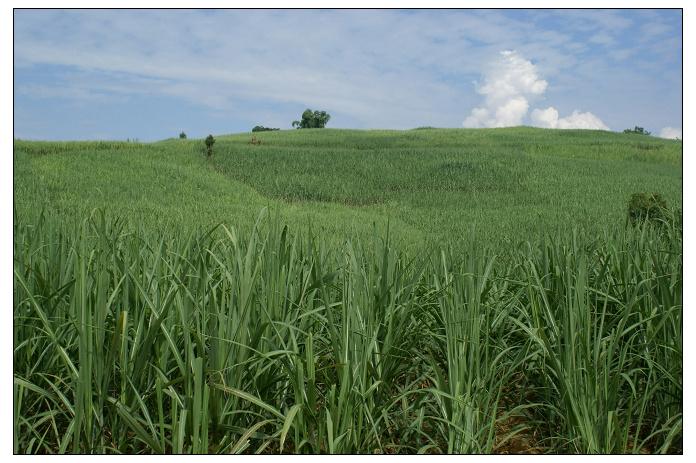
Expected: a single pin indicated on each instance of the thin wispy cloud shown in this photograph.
(229, 70)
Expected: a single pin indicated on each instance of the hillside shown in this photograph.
(431, 185)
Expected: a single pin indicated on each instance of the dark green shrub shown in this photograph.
(209, 142)
(182, 136)
(647, 207)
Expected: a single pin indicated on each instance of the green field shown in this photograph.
(344, 291)
(438, 185)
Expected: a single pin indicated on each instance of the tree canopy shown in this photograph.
(312, 120)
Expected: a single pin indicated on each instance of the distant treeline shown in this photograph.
(260, 128)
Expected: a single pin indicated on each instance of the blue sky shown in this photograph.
(148, 74)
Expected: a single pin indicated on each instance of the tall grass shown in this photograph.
(605, 328)
(274, 340)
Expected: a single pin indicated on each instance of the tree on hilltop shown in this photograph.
(312, 120)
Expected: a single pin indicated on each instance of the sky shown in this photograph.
(150, 74)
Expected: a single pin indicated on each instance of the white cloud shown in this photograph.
(508, 83)
(548, 118)
(243, 61)
(223, 60)
(671, 132)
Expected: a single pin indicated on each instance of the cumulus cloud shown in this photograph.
(545, 117)
(509, 82)
(548, 118)
(671, 132)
